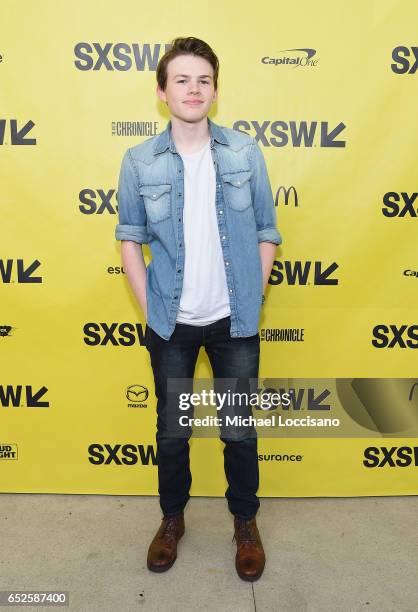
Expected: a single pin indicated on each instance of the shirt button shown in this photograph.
(223, 237)
(175, 297)
(180, 219)
(238, 182)
(179, 194)
(227, 263)
(154, 195)
(180, 244)
(179, 270)
(230, 291)
(221, 212)
(179, 171)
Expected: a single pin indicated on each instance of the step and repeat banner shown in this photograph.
(329, 90)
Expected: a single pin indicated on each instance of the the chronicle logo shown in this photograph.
(8, 451)
(126, 454)
(399, 205)
(303, 273)
(392, 336)
(279, 334)
(406, 60)
(116, 334)
(134, 128)
(25, 273)
(296, 58)
(395, 456)
(118, 56)
(296, 133)
(18, 134)
(23, 395)
(137, 395)
(286, 191)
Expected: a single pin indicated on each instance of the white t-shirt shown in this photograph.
(204, 298)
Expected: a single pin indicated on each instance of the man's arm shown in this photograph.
(136, 271)
(267, 254)
(132, 229)
(264, 211)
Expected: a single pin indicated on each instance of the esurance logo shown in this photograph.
(303, 273)
(295, 58)
(118, 56)
(402, 456)
(405, 60)
(296, 133)
(399, 204)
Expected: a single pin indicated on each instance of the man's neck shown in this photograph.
(189, 137)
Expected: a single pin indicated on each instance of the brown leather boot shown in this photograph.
(250, 558)
(163, 549)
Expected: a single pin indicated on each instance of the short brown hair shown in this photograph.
(187, 46)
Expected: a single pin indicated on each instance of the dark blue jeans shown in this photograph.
(229, 358)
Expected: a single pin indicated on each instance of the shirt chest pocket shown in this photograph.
(237, 189)
(156, 201)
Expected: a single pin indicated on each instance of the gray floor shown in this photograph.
(336, 554)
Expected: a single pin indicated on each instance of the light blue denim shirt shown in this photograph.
(150, 208)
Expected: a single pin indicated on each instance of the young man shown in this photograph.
(200, 196)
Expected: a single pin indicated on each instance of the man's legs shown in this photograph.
(237, 358)
(174, 358)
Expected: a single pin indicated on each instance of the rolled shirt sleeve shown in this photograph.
(131, 210)
(262, 196)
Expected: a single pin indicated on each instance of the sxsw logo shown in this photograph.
(287, 192)
(98, 201)
(119, 56)
(402, 456)
(116, 334)
(303, 273)
(24, 273)
(406, 60)
(297, 133)
(18, 134)
(399, 205)
(126, 454)
(391, 336)
(23, 395)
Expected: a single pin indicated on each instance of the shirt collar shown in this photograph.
(164, 140)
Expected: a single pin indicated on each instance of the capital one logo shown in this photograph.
(118, 56)
(296, 133)
(406, 60)
(303, 273)
(286, 191)
(18, 134)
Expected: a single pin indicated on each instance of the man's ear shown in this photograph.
(161, 94)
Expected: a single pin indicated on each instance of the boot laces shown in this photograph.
(245, 533)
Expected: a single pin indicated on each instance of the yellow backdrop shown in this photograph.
(329, 89)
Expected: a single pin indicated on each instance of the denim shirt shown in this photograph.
(150, 209)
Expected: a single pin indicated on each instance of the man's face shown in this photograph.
(190, 91)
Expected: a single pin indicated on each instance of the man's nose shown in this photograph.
(194, 88)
